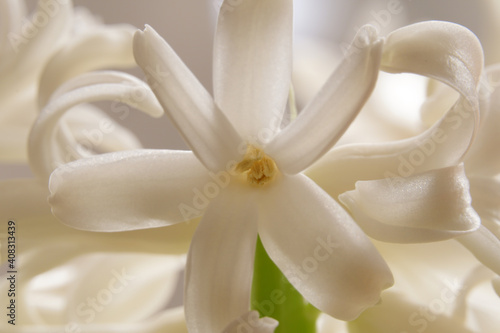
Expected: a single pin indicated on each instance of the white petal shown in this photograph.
(253, 63)
(25, 202)
(485, 246)
(441, 50)
(329, 114)
(11, 14)
(430, 206)
(398, 314)
(102, 47)
(250, 321)
(485, 192)
(220, 262)
(444, 51)
(137, 285)
(496, 285)
(328, 324)
(45, 151)
(86, 123)
(191, 108)
(131, 190)
(483, 157)
(451, 54)
(46, 32)
(320, 249)
(440, 98)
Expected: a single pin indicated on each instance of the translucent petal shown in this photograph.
(443, 51)
(131, 190)
(220, 262)
(320, 249)
(49, 148)
(427, 207)
(329, 114)
(191, 108)
(253, 63)
(107, 46)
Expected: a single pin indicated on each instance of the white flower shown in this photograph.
(439, 287)
(415, 190)
(93, 292)
(243, 174)
(481, 164)
(60, 267)
(38, 54)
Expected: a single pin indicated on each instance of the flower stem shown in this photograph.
(273, 296)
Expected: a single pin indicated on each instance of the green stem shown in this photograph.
(273, 296)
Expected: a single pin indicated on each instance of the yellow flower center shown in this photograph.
(259, 167)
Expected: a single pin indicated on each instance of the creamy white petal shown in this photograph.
(47, 30)
(102, 47)
(132, 190)
(11, 14)
(397, 314)
(430, 206)
(496, 285)
(220, 262)
(485, 192)
(191, 108)
(440, 98)
(328, 324)
(86, 123)
(46, 151)
(130, 287)
(451, 54)
(25, 202)
(485, 246)
(329, 114)
(137, 285)
(483, 158)
(253, 63)
(445, 51)
(251, 322)
(18, 112)
(320, 249)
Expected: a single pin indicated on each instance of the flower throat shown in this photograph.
(259, 167)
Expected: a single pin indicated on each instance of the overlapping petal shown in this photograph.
(485, 192)
(50, 142)
(253, 43)
(125, 289)
(457, 61)
(42, 35)
(25, 202)
(397, 313)
(220, 262)
(320, 249)
(191, 108)
(162, 187)
(427, 207)
(483, 158)
(333, 109)
(99, 47)
(89, 120)
(251, 321)
(485, 246)
(12, 13)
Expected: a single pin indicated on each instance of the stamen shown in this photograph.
(259, 167)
